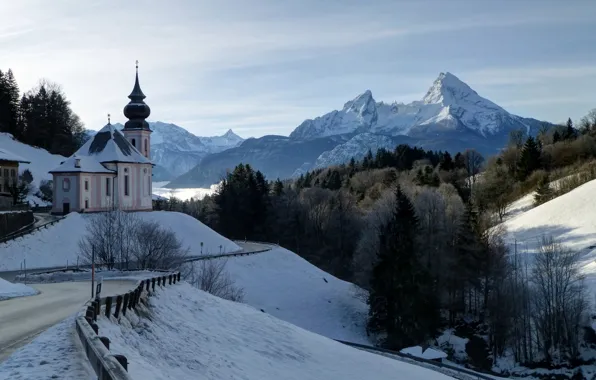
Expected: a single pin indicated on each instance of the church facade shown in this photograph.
(113, 169)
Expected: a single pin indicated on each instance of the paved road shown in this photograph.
(21, 319)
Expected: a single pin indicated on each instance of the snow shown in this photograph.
(9, 290)
(290, 288)
(7, 155)
(429, 353)
(159, 190)
(448, 340)
(189, 334)
(57, 245)
(356, 147)
(86, 165)
(55, 354)
(569, 218)
(41, 160)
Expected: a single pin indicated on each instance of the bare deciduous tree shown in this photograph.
(156, 247)
(473, 163)
(211, 276)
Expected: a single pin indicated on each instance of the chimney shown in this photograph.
(77, 162)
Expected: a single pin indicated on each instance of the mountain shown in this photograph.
(451, 116)
(276, 156)
(175, 151)
(449, 107)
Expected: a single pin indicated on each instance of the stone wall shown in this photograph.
(11, 221)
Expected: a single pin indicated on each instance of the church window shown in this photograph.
(134, 143)
(126, 189)
(13, 173)
(146, 150)
(86, 203)
(66, 184)
(108, 187)
(86, 185)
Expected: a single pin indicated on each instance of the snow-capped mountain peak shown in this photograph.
(231, 135)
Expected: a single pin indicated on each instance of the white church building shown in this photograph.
(112, 170)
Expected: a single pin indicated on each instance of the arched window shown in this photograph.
(146, 150)
(134, 142)
(66, 184)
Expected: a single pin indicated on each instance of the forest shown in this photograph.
(41, 117)
(418, 230)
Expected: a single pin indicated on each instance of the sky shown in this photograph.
(263, 66)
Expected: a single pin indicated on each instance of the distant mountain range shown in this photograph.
(175, 151)
(451, 116)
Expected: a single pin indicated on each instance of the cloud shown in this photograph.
(527, 75)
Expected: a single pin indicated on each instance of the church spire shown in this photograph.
(136, 110)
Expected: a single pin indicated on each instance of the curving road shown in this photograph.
(21, 319)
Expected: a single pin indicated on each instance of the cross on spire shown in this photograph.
(137, 65)
(108, 118)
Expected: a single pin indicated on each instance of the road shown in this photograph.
(21, 319)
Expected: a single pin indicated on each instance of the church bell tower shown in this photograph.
(136, 129)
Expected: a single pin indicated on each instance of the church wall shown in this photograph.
(66, 193)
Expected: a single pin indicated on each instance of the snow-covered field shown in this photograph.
(290, 288)
(9, 290)
(54, 354)
(57, 245)
(183, 194)
(189, 334)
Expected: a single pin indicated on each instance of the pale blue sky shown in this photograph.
(262, 67)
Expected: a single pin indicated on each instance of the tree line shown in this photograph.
(41, 117)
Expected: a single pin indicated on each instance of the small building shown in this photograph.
(9, 174)
(113, 169)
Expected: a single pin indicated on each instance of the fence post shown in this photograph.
(122, 360)
(131, 299)
(153, 283)
(174, 278)
(159, 281)
(118, 306)
(170, 279)
(178, 276)
(108, 306)
(95, 327)
(105, 341)
(163, 280)
(147, 282)
(125, 304)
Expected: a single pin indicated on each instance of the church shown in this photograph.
(112, 170)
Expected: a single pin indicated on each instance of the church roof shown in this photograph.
(108, 145)
(7, 155)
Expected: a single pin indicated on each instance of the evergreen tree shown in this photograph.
(570, 133)
(402, 301)
(278, 187)
(529, 160)
(446, 162)
(544, 192)
(334, 180)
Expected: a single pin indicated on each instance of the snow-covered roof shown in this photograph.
(86, 165)
(429, 353)
(107, 145)
(7, 155)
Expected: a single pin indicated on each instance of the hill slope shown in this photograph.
(190, 334)
(41, 160)
(58, 244)
(290, 288)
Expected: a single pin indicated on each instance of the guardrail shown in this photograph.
(106, 365)
(20, 233)
(467, 372)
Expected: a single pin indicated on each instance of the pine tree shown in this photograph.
(544, 192)
(278, 187)
(530, 159)
(402, 301)
(570, 133)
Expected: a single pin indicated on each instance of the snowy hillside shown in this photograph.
(290, 288)
(206, 337)
(41, 160)
(57, 245)
(569, 218)
(449, 106)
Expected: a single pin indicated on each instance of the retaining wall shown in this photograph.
(12, 221)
